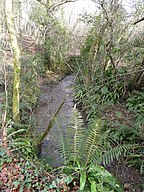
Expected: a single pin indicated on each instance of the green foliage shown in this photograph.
(135, 159)
(82, 180)
(19, 136)
(19, 140)
(135, 102)
(69, 143)
(55, 44)
(108, 87)
(131, 133)
(84, 149)
(106, 90)
(109, 61)
(39, 16)
(129, 130)
(103, 78)
(52, 35)
(94, 179)
(99, 179)
(88, 43)
(93, 145)
(55, 47)
(31, 70)
(20, 174)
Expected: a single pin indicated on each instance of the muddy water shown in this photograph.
(48, 103)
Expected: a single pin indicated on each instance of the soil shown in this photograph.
(129, 176)
(51, 98)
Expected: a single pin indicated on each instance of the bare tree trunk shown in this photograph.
(16, 61)
(2, 17)
(138, 79)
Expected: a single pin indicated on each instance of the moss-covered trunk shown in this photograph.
(16, 61)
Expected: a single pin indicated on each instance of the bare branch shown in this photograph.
(40, 1)
(54, 6)
(104, 10)
(142, 19)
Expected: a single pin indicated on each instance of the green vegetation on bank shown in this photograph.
(109, 84)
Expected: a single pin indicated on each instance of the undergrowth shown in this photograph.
(19, 174)
(106, 90)
(101, 98)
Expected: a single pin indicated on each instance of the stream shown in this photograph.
(48, 103)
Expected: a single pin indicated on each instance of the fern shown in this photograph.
(111, 154)
(62, 142)
(91, 147)
(87, 145)
(68, 141)
(76, 133)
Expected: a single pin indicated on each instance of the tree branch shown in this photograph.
(54, 6)
(40, 1)
(142, 19)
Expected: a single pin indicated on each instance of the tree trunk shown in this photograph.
(2, 17)
(16, 61)
(138, 79)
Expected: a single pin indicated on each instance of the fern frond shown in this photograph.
(91, 146)
(111, 154)
(69, 140)
(62, 142)
(76, 133)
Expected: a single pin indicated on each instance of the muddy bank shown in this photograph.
(49, 101)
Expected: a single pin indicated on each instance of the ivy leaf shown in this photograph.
(2, 152)
(28, 186)
(53, 185)
(16, 184)
(68, 180)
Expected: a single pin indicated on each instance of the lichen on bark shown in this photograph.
(16, 60)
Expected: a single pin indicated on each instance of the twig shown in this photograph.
(142, 19)
(53, 7)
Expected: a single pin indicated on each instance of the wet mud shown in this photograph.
(51, 98)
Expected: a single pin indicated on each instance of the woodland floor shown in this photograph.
(129, 175)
